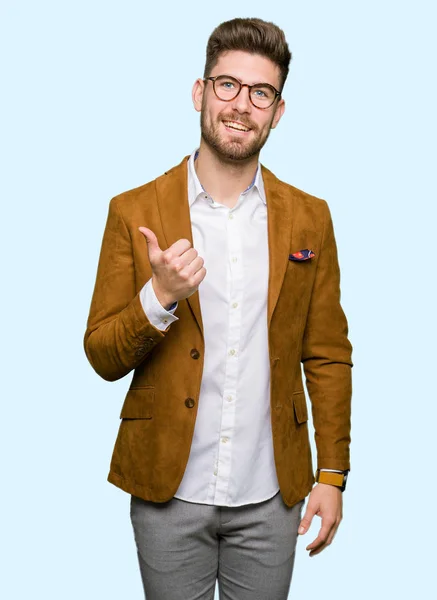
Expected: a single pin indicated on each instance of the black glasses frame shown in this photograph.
(242, 85)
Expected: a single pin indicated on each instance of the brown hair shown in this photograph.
(250, 35)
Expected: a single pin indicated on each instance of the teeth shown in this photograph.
(233, 125)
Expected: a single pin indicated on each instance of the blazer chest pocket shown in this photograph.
(300, 273)
(139, 403)
(300, 406)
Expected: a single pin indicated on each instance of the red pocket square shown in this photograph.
(302, 255)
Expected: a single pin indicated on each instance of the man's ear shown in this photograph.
(280, 109)
(197, 94)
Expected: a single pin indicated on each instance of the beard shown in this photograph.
(239, 148)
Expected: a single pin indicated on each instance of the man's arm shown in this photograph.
(326, 358)
(119, 335)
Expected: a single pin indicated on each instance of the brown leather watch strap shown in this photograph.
(330, 478)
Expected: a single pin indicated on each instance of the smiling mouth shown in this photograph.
(236, 126)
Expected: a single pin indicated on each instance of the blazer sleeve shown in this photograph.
(118, 334)
(327, 358)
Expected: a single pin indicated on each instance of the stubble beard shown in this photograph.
(237, 149)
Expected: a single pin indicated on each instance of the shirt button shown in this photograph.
(224, 439)
(215, 472)
(232, 352)
(229, 398)
(234, 305)
(231, 216)
(234, 259)
(165, 321)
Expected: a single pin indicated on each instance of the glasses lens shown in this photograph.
(226, 87)
(263, 95)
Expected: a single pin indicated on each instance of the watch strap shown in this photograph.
(332, 478)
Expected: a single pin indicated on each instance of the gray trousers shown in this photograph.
(183, 548)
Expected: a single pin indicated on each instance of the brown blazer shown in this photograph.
(306, 323)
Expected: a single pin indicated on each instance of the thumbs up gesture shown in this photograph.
(176, 272)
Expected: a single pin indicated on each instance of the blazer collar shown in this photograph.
(195, 188)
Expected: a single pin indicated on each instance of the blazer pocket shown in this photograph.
(300, 406)
(139, 403)
(303, 269)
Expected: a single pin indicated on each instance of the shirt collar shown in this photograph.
(195, 188)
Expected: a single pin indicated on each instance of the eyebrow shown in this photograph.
(254, 83)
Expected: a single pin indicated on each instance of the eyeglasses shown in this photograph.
(226, 88)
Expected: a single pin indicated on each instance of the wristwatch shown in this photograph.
(337, 478)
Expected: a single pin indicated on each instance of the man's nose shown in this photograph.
(242, 102)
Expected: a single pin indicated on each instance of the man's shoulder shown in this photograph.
(287, 191)
(146, 192)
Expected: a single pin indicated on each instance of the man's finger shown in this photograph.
(322, 537)
(332, 534)
(150, 236)
(180, 247)
(152, 242)
(319, 549)
(327, 543)
(306, 520)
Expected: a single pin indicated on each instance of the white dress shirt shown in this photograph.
(231, 461)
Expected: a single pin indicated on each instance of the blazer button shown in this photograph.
(189, 402)
(195, 353)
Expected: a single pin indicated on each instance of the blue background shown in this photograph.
(96, 99)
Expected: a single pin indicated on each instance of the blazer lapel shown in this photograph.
(279, 224)
(172, 198)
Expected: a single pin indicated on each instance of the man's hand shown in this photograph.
(177, 271)
(326, 501)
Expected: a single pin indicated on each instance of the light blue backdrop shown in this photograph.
(79, 125)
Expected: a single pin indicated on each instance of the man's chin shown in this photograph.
(237, 150)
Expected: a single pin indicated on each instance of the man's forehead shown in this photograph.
(249, 67)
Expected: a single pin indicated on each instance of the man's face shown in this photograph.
(217, 115)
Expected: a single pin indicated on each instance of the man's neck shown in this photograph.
(224, 180)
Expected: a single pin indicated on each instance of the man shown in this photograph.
(237, 285)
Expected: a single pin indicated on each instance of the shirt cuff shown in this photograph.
(155, 312)
(332, 470)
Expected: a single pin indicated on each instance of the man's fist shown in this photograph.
(177, 271)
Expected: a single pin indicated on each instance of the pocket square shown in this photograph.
(302, 255)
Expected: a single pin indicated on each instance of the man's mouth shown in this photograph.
(236, 126)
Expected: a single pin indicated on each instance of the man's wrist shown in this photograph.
(158, 316)
(163, 299)
(332, 477)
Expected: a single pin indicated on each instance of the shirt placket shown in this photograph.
(229, 393)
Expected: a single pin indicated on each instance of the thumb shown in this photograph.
(152, 242)
(305, 523)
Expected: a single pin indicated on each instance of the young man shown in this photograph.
(237, 285)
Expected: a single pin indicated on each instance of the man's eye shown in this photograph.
(260, 93)
(228, 85)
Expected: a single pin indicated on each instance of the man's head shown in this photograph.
(250, 51)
